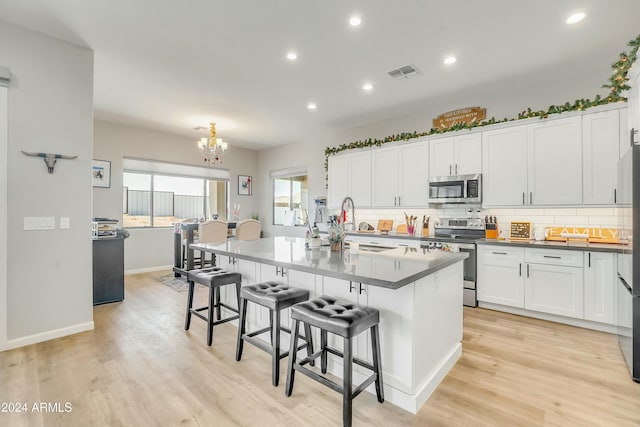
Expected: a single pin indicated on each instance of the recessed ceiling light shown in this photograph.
(312, 106)
(355, 21)
(292, 56)
(367, 87)
(450, 60)
(576, 17)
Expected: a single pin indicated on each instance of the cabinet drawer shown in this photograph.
(501, 252)
(553, 257)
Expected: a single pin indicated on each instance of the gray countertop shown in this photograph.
(392, 268)
(573, 246)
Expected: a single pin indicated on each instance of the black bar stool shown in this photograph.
(214, 278)
(346, 319)
(275, 296)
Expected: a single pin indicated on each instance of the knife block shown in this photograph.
(491, 231)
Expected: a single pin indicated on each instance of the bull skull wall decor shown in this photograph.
(50, 159)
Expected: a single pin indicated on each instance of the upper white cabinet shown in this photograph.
(456, 155)
(601, 142)
(555, 162)
(624, 131)
(534, 164)
(400, 175)
(350, 175)
(413, 174)
(504, 166)
(385, 176)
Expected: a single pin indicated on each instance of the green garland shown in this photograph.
(617, 84)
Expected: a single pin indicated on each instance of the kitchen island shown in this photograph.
(418, 293)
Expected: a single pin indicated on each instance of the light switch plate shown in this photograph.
(65, 222)
(39, 222)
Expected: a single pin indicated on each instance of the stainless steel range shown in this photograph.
(460, 235)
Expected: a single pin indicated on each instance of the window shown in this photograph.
(157, 200)
(290, 199)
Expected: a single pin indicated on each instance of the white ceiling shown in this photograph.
(173, 65)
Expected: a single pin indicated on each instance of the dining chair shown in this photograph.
(212, 231)
(249, 229)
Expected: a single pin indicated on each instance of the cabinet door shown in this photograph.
(468, 154)
(385, 176)
(555, 162)
(600, 142)
(441, 156)
(599, 287)
(413, 174)
(339, 180)
(504, 167)
(500, 275)
(554, 289)
(360, 171)
(624, 130)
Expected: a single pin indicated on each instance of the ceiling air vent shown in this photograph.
(404, 72)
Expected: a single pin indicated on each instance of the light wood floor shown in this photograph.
(140, 368)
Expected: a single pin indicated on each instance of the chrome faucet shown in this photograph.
(347, 204)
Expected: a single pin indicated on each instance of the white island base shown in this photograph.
(420, 326)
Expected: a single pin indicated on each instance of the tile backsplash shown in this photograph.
(546, 217)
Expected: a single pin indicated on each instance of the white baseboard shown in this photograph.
(587, 324)
(49, 335)
(149, 269)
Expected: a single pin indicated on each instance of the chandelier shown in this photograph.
(212, 149)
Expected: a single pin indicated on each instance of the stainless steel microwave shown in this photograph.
(456, 189)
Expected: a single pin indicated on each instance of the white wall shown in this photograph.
(148, 249)
(50, 289)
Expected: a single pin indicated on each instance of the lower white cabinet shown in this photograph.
(554, 289)
(567, 283)
(600, 287)
(500, 279)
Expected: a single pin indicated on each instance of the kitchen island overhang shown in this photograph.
(418, 293)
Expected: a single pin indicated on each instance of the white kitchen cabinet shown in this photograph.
(543, 280)
(350, 175)
(633, 110)
(413, 174)
(385, 176)
(624, 131)
(601, 144)
(400, 175)
(504, 167)
(600, 287)
(500, 276)
(456, 155)
(555, 289)
(339, 180)
(555, 162)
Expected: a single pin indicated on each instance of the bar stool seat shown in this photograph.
(275, 296)
(346, 319)
(214, 278)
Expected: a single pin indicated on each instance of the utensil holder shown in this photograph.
(425, 232)
(410, 229)
(336, 246)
